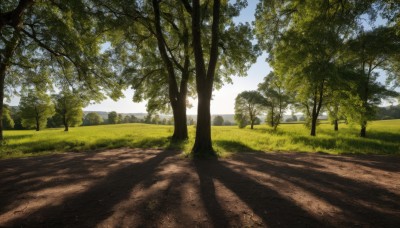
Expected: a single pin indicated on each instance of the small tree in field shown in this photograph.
(276, 97)
(93, 119)
(248, 105)
(36, 108)
(218, 121)
(69, 107)
(113, 117)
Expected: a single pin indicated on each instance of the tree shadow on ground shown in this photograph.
(357, 200)
(98, 199)
(233, 146)
(268, 204)
(385, 163)
(17, 137)
(49, 145)
(150, 189)
(349, 145)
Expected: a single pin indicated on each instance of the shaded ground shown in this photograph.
(155, 188)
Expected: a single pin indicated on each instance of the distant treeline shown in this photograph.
(387, 113)
(12, 118)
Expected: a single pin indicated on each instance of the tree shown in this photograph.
(69, 107)
(248, 105)
(218, 121)
(152, 39)
(304, 39)
(16, 116)
(160, 62)
(155, 119)
(36, 107)
(241, 120)
(277, 98)
(133, 119)
(50, 41)
(93, 118)
(190, 121)
(370, 52)
(211, 31)
(113, 117)
(7, 121)
(120, 118)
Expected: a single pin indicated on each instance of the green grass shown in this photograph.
(383, 138)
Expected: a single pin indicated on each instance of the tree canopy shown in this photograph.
(36, 107)
(68, 107)
(248, 105)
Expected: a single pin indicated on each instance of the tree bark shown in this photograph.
(318, 97)
(2, 80)
(65, 122)
(272, 117)
(314, 117)
(177, 97)
(363, 132)
(336, 122)
(203, 145)
(180, 121)
(314, 125)
(204, 78)
(37, 124)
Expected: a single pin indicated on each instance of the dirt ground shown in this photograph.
(156, 188)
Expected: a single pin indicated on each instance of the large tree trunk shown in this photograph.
(363, 132)
(177, 97)
(37, 124)
(272, 117)
(314, 117)
(318, 96)
(336, 123)
(203, 145)
(180, 121)
(2, 78)
(314, 125)
(65, 122)
(204, 78)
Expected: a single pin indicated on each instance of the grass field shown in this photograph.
(383, 137)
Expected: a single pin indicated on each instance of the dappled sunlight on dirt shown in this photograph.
(157, 188)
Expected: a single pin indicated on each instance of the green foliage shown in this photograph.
(390, 112)
(218, 121)
(92, 118)
(276, 96)
(69, 106)
(241, 120)
(8, 122)
(248, 105)
(370, 53)
(61, 44)
(112, 117)
(36, 107)
(383, 139)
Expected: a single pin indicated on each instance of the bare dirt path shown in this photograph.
(156, 188)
